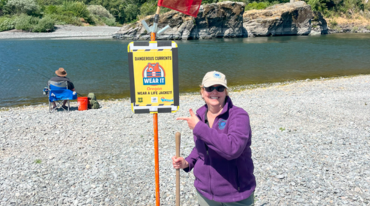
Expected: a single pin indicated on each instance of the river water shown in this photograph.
(100, 66)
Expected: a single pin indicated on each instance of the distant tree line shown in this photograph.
(42, 15)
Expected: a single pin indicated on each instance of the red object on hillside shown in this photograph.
(188, 7)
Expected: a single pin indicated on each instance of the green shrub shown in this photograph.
(255, 5)
(100, 16)
(80, 10)
(22, 7)
(2, 4)
(330, 14)
(148, 8)
(110, 21)
(115, 7)
(355, 29)
(246, 2)
(97, 20)
(126, 11)
(209, 1)
(2, 18)
(131, 11)
(46, 24)
(26, 23)
(318, 5)
(68, 13)
(7, 23)
(333, 23)
(352, 6)
(164, 10)
(63, 19)
(51, 9)
(77, 9)
(23, 25)
(49, 2)
(99, 10)
(368, 27)
(367, 6)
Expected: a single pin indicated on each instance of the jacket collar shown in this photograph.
(202, 111)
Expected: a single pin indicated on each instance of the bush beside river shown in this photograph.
(27, 15)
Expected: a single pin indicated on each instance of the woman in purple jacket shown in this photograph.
(221, 158)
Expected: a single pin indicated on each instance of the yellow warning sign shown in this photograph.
(153, 76)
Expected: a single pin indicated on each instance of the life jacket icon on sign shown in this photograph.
(154, 74)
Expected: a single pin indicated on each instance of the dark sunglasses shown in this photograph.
(218, 88)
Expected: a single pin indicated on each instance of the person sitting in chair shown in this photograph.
(62, 76)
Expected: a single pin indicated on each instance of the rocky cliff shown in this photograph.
(281, 19)
(226, 20)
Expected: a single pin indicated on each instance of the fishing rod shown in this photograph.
(48, 78)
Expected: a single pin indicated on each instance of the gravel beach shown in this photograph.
(310, 146)
(65, 32)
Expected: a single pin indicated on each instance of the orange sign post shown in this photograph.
(155, 126)
(156, 158)
(154, 82)
(188, 7)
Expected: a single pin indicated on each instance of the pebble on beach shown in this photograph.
(310, 146)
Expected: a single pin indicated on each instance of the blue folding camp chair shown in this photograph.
(58, 92)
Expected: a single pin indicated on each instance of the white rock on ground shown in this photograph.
(310, 147)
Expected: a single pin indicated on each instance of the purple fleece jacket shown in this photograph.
(222, 157)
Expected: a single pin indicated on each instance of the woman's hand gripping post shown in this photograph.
(179, 163)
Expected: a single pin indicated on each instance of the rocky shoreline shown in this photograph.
(229, 20)
(217, 20)
(65, 32)
(310, 147)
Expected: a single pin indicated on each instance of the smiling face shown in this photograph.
(215, 99)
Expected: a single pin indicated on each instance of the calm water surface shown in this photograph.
(100, 66)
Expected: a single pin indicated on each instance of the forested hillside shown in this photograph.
(42, 15)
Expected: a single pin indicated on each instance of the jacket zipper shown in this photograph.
(210, 162)
(210, 176)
